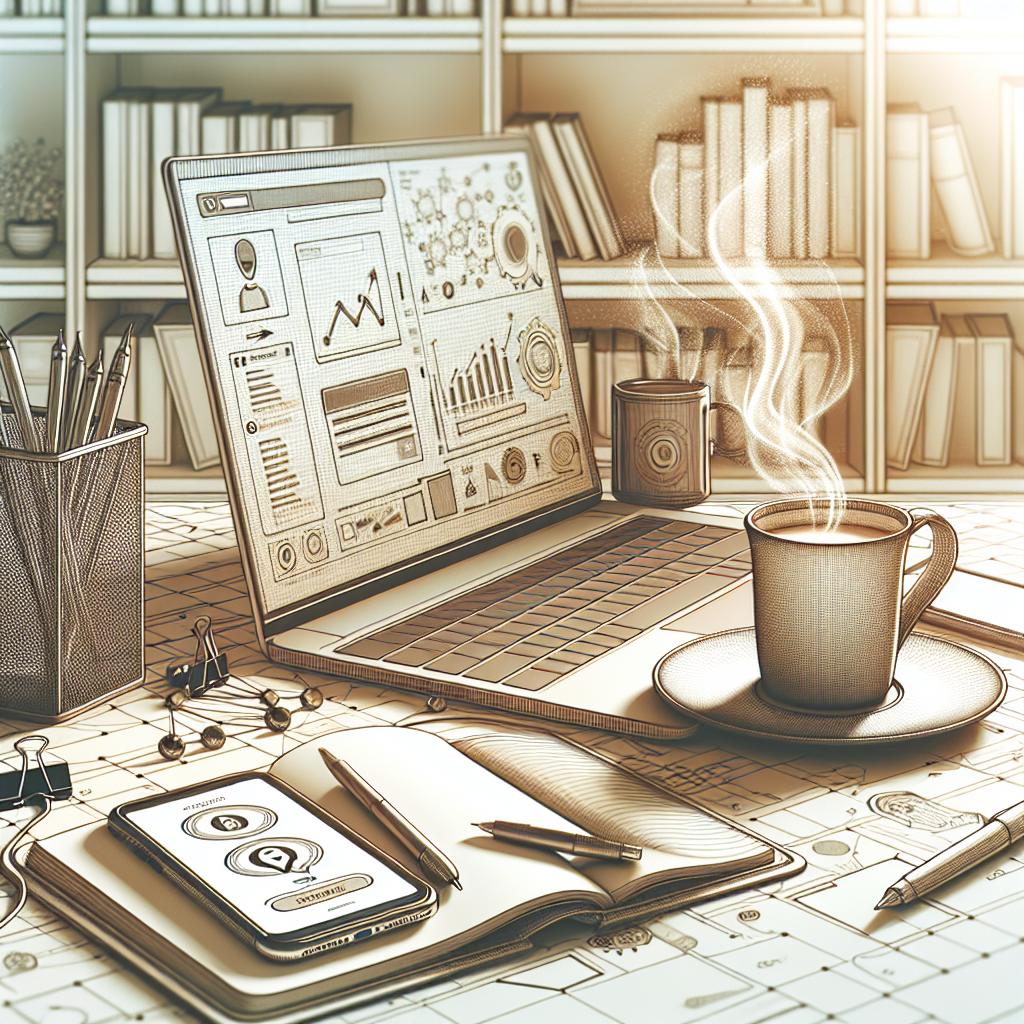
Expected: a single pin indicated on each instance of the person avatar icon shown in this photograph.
(252, 296)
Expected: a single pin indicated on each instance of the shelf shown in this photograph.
(31, 35)
(624, 279)
(955, 35)
(683, 35)
(966, 478)
(134, 279)
(947, 276)
(283, 35)
(183, 481)
(32, 279)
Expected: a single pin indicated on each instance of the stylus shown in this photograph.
(430, 859)
(113, 390)
(564, 842)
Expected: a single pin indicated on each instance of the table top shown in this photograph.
(804, 950)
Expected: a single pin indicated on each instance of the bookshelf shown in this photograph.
(631, 78)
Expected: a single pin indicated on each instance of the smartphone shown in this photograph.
(276, 869)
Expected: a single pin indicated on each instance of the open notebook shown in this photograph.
(444, 776)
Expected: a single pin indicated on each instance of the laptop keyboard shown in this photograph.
(533, 625)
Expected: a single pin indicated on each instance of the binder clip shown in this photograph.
(50, 780)
(209, 668)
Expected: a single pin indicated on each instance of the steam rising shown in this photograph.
(777, 407)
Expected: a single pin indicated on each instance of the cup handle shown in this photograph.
(936, 573)
(717, 449)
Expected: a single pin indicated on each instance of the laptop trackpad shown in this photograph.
(733, 610)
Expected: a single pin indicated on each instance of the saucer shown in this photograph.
(939, 686)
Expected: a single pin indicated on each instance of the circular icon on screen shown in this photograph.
(268, 857)
(229, 822)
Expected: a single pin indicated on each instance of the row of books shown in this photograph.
(955, 8)
(773, 177)
(142, 127)
(31, 8)
(284, 8)
(574, 190)
(161, 390)
(954, 388)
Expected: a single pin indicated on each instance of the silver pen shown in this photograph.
(996, 834)
(77, 371)
(564, 842)
(11, 369)
(55, 396)
(430, 859)
(87, 403)
(113, 390)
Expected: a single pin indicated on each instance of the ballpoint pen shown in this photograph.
(430, 859)
(87, 403)
(113, 390)
(77, 370)
(11, 369)
(55, 396)
(564, 842)
(996, 834)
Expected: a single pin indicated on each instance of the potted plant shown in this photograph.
(30, 197)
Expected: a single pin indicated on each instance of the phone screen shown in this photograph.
(279, 865)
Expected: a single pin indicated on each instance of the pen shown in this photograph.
(76, 379)
(564, 842)
(16, 392)
(87, 403)
(113, 390)
(428, 856)
(55, 396)
(996, 834)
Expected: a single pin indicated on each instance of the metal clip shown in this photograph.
(18, 785)
(209, 668)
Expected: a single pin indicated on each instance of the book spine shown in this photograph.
(162, 138)
(153, 402)
(542, 132)
(908, 231)
(846, 192)
(559, 8)
(820, 118)
(138, 179)
(780, 181)
(936, 431)
(711, 108)
(212, 8)
(538, 8)
(957, 188)
(800, 237)
(994, 379)
(280, 134)
(115, 195)
(192, 8)
(755, 168)
(691, 199)
(164, 8)
(940, 8)
(519, 8)
(1012, 168)
(665, 195)
(236, 8)
(608, 223)
(730, 179)
(909, 354)
(901, 8)
(601, 365)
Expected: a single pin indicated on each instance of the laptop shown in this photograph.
(404, 442)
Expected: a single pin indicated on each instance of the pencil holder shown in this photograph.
(71, 573)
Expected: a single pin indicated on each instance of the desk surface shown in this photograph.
(806, 950)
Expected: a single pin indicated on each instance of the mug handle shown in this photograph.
(717, 449)
(936, 573)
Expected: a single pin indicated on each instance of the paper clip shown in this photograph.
(18, 785)
(209, 668)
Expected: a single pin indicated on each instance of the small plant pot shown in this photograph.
(30, 239)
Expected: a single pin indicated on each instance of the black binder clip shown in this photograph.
(208, 669)
(51, 778)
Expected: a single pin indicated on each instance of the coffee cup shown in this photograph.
(829, 610)
(661, 445)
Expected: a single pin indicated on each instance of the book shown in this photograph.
(155, 405)
(962, 444)
(627, 355)
(163, 144)
(820, 120)
(780, 180)
(994, 360)
(691, 194)
(164, 8)
(911, 333)
(582, 357)
(254, 127)
(798, 101)
(665, 194)
(907, 182)
(588, 183)
(510, 892)
(1011, 167)
(710, 106)
(957, 187)
(219, 127)
(755, 168)
(122, 132)
(188, 117)
(846, 192)
(179, 355)
(321, 124)
(730, 179)
(560, 198)
(280, 129)
(601, 349)
(936, 430)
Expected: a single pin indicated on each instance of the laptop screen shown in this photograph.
(386, 346)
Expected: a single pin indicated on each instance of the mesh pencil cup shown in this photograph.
(71, 573)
